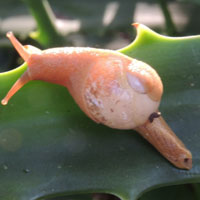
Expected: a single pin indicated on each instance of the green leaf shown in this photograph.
(183, 192)
(48, 147)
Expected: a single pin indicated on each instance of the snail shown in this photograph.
(110, 87)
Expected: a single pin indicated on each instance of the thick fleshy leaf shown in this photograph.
(48, 147)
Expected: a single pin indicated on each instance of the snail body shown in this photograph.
(110, 87)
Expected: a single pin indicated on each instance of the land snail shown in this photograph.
(110, 87)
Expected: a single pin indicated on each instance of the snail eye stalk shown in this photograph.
(18, 46)
(18, 84)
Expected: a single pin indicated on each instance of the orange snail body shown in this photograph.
(111, 88)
